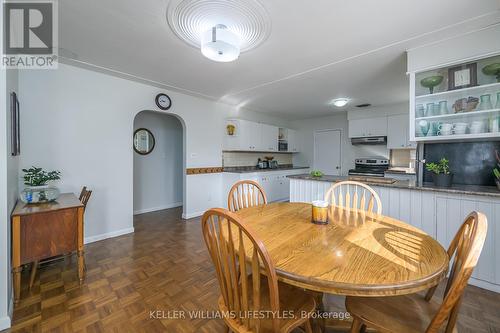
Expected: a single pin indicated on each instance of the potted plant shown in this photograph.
(37, 190)
(441, 174)
(316, 174)
(496, 172)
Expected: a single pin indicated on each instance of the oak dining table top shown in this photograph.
(357, 253)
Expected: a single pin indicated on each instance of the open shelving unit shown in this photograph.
(484, 84)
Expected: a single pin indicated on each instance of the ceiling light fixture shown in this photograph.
(340, 102)
(220, 44)
(238, 25)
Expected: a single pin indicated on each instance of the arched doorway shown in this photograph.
(159, 178)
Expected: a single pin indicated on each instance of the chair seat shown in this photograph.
(408, 313)
(292, 301)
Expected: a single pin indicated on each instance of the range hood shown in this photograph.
(370, 140)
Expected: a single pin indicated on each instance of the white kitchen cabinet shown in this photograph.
(293, 141)
(450, 212)
(247, 135)
(250, 136)
(398, 132)
(275, 183)
(467, 111)
(376, 126)
(269, 136)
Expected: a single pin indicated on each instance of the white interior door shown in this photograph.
(327, 154)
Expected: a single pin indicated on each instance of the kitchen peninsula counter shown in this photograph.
(438, 211)
(411, 185)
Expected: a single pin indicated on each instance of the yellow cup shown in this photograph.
(320, 212)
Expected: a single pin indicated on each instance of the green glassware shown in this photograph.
(431, 82)
(492, 69)
(485, 103)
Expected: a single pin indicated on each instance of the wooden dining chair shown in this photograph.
(239, 258)
(417, 313)
(357, 196)
(244, 194)
(84, 199)
(85, 196)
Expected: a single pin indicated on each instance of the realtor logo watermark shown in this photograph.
(29, 35)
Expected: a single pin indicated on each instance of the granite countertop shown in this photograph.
(411, 185)
(249, 169)
(400, 172)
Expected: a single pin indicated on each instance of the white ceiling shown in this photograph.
(317, 50)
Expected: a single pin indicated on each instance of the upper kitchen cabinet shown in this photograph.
(376, 126)
(293, 141)
(459, 101)
(269, 140)
(455, 88)
(398, 133)
(242, 135)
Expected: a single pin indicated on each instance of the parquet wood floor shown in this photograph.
(162, 266)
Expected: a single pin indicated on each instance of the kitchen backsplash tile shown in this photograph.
(238, 159)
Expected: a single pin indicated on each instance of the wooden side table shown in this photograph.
(41, 231)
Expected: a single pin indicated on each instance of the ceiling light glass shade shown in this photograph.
(220, 44)
(340, 102)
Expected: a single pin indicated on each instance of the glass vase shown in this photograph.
(485, 102)
(39, 194)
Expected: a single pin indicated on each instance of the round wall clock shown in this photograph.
(163, 101)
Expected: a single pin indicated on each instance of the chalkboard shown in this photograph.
(471, 163)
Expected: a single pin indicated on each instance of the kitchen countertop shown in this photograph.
(250, 169)
(411, 185)
(400, 171)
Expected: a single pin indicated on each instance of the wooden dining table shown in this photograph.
(357, 253)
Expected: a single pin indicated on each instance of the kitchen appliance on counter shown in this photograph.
(372, 167)
(268, 163)
(262, 164)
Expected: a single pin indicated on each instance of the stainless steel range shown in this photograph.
(370, 167)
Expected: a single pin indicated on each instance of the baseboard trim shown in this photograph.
(154, 209)
(4, 323)
(485, 285)
(192, 215)
(107, 235)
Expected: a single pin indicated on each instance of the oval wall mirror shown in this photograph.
(144, 141)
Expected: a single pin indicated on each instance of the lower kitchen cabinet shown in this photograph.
(276, 184)
(439, 214)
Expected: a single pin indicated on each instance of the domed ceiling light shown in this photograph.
(340, 102)
(220, 44)
(219, 26)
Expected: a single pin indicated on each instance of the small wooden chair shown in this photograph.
(239, 259)
(335, 196)
(244, 194)
(415, 313)
(84, 198)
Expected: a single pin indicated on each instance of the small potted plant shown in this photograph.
(441, 174)
(316, 174)
(496, 172)
(37, 190)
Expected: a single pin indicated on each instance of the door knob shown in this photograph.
(337, 167)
